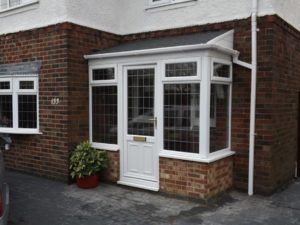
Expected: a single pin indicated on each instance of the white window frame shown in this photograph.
(228, 82)
(15, 92)
(10, 85)
(221, 79)
(22, 4)
(180, 80)
(167, 2)
(101, 83)
(183, 78)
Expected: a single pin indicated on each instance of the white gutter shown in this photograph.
(253, 67)
(164, 50)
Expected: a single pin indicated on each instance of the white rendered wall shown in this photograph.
(134, 16)
(41, 14)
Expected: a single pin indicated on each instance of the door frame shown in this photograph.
(298, 135)
(144, 184)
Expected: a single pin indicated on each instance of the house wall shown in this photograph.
(134, 16)
(63, 75)
(285, 91)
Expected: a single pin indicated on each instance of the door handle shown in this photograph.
(154, 120)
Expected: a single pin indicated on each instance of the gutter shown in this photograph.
(163, 50)
(253, 67)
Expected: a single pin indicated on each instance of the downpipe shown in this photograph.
(253, 68)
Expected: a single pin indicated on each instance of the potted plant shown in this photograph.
(85, 164)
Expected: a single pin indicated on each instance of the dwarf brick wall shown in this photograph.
(112, 173)
(194, 179)
(64, 74)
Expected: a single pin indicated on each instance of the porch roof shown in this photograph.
(221, 40)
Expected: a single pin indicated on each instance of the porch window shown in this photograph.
(220, 104)
(103, 108)
(19, 104)
(181, 117)
(181, 106)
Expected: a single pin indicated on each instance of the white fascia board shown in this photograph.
(225, 40)
(225, 50)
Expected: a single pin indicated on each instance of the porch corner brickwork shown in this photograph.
(195, 179)
(112, 172)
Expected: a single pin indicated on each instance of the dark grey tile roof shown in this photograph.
(183, 40)
(20, 68)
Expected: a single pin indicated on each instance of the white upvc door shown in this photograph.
(140, 161)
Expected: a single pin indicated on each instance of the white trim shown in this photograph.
(196, 157)
(15, 92)
(126, 178)
(224, 62)
(106, 147)
(164, 50)
(138, 186)
(204, 109)
(185, 78)
(102, 82)
(10, 85)
(18, 6)
(17, 84)
(19, 131)
(168, 3)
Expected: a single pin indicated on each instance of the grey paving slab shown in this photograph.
(38, 201)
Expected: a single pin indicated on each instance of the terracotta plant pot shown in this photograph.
(87, 181)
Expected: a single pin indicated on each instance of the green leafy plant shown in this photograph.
(86, 161)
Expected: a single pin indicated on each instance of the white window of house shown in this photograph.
(181, 106)
(11, 4)
(166, 2)
(103, 108)
(19, 104)
(220, 106)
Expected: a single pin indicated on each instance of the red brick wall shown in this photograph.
(112, 173)
(285, 90)
(64, 74)
(194, 179)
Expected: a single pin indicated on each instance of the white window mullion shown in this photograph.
(204, 109)
(15, 107)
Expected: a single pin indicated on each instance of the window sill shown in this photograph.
(18, 9)
(20, 131)
(106, 147)
(213, 157)
(170, 5)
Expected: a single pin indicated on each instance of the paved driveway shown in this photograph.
(37, 201)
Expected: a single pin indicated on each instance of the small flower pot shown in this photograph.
(87, 182)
